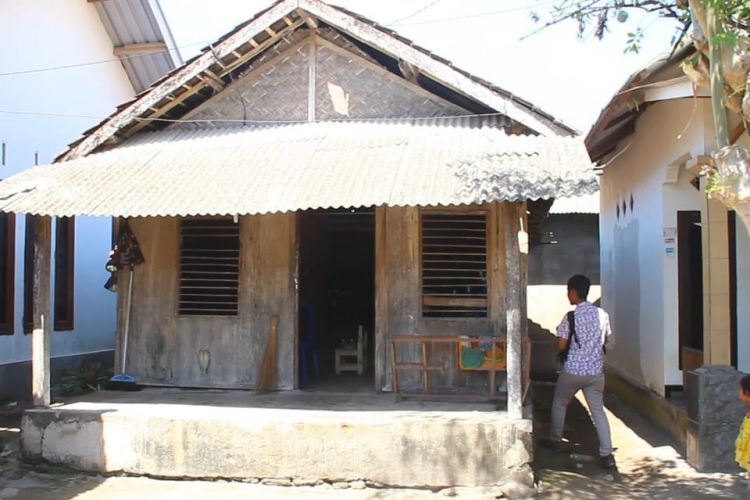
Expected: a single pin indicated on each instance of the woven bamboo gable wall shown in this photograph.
(347, 84)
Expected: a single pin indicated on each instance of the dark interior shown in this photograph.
(337, 294)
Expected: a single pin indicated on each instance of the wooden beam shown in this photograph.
(212, 80)
(381, 299)
(312, 63)
(41, 312)
(131, 49)
(737, 132)
(310, 21)
(513, 303)
(409, 71)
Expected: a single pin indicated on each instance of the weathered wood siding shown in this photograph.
(163, 346)
(398, 297)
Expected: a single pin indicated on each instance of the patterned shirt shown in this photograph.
(586, 357)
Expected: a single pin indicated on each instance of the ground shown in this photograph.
(648, 462)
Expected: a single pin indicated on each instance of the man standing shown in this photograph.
(583, 368)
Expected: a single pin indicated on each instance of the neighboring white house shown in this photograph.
(64, 66)
(675, 267)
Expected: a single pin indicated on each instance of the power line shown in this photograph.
(478, 15)
(242, 121)
(415, 13)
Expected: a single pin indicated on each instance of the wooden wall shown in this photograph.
(398, 298)
(163, 346)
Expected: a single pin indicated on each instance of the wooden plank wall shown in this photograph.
(164, 347)
(398, 304)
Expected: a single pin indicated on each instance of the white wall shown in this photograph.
(743, 288)
(639, 281)
(47, 34)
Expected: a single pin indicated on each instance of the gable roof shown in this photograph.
(198, 79)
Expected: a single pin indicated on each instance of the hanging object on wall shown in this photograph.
(125, 253)
(204, 360)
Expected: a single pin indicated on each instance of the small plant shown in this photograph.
(91, 377)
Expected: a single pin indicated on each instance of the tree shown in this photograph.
(720, 31)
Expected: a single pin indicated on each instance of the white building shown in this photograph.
(674, 265)
(64, 66)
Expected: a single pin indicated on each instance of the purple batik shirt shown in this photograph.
(586, 356)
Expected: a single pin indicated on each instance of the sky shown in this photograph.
(569, 78)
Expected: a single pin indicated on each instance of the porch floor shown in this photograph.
(295, 434)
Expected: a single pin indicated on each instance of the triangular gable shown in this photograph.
(184, 89)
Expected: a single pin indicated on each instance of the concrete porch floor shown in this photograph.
(296, 434)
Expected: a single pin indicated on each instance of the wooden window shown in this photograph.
(28, 275)
(64, 272)
(209, 267)
(454, 264)
(7, 272)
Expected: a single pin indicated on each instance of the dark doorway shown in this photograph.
(337, 299)
(690, 289)
(732, 234)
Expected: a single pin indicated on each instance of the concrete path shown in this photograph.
(649, 464)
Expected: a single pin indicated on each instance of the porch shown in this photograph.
(169, 432)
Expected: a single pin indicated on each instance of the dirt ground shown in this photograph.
(649, 466)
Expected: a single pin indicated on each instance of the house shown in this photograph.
(312, 160)
(47, 100)
(674, 263)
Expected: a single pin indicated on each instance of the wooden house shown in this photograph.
(312, 160)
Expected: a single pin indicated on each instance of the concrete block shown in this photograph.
(710, 448)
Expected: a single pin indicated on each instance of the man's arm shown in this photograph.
(562, 343)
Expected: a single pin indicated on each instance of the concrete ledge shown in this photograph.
(667, 416)
(392, 447)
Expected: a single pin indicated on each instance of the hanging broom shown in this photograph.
(269, 365)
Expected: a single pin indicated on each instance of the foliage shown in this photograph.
(89, 378)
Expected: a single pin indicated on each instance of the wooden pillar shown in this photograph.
(40, 342)
(381, 299)
(513, 303)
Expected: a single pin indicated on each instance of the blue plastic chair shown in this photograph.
(307, 347)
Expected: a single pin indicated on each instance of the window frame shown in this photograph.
(28, 275)
(65, 291)
(488, 281)
(9, 243)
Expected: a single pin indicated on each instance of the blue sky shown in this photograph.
(568, 78)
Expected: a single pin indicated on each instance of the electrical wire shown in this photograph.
(415, 13)
(478, 15)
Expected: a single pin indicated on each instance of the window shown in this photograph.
(209, 267)
(7, 271)
(28, 275)
(454, 264)
(64, 272)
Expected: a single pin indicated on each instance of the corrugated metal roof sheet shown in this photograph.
(140, 21)
(255, 170)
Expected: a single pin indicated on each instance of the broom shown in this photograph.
(269, 365)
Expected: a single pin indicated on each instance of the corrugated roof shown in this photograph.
(255, 170)
(135, 22)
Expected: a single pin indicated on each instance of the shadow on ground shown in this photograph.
(649, 463)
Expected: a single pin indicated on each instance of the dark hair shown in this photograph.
(745, 384)
(580, 284)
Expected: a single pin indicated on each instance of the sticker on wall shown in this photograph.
(670, 237)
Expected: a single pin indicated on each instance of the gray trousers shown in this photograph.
(593, 389)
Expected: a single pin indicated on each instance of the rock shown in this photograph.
(374, 484)
(514, 489)
(357, 485)
(276, 482)
(340, 485)
(8, 492)
(517, 455)
(306, 482)
(251, 480)
(448, 492)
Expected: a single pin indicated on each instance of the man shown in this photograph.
(583, 368)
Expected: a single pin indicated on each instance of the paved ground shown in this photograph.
(649, 467)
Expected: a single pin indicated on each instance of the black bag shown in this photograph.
(563, 355)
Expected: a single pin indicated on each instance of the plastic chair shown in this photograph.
(307, 347)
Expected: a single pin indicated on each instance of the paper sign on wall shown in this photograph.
(670, 237)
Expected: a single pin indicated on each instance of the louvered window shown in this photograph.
(209, 267)
(454, 264)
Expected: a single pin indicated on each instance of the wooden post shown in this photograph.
(513, 309)
(381, 300)
(40, 342)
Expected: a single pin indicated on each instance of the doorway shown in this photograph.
(337, 300)
(690, 290)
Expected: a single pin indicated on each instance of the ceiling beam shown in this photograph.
(130, 49)
(310, 21)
